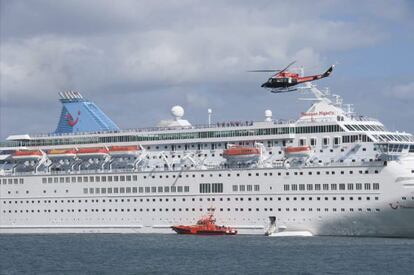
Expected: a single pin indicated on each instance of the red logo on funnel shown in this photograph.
(70, 120)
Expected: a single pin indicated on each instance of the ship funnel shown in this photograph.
(81, 115)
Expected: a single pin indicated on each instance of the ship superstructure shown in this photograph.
(330, 172)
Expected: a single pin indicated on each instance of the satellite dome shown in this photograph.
(177, 111)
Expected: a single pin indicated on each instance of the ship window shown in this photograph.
(242, 187)
(367, 186)
(341, 186)
(350, 186)
(317, 187)
(91, 190)
(153, 189)
(166, 189)
(309, 187)
(44, 180)
(337, 140)
(294, 187)
(256, 187)
(97, 179)
(235, 188)
(375, 186)
(333, 186)
(286, 187)
(173, 189)
(325, 186)
(313, 141)
(91, 179)
(109, 191)
(85, 190)
(325, 141)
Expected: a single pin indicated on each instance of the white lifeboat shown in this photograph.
(298, 151)
(92, 152)
(241, 154)
(28, 154)
(123, 150)
(61, 153)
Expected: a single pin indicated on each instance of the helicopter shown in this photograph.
(284, 81)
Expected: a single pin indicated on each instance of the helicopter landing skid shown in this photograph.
(283, 91)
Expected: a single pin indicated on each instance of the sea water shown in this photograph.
(179, 254)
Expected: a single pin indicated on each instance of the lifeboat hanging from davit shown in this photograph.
(92, 152)
(27, 154)
(298, 151)
(61, 153)
(124, 150)
(241, 154)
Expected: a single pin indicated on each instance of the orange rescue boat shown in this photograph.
(205, 226)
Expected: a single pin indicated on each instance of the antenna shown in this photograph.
(210, 112)
(327, 91)
(338, 100)
(349, 109)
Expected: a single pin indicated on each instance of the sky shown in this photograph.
(137, 59)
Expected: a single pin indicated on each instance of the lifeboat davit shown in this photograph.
(28, 154)
(123, 150)
(92, 152)
(241, 154)
(205, 226)
(61, 153)
(298, 151)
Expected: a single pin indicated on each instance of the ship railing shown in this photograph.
(210, 168)
(226, 124)
(357, 117)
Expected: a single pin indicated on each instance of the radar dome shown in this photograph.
(177, 111)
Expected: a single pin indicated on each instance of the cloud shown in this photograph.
(401, 91)
(148, 55)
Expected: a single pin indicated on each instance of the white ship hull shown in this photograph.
(36, 207)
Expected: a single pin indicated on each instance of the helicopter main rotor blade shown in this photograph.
(263, 71)
(287, 67)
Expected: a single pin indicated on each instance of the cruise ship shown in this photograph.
(329, 172)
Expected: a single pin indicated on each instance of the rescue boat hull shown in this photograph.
(194, 231)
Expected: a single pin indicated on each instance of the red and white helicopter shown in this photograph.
(284, 81)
